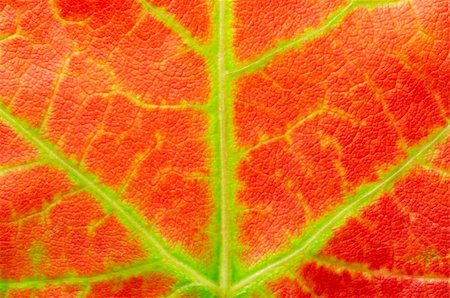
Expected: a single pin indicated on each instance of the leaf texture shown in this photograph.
(242, 148)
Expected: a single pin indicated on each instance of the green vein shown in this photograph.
(172, 23)
(225, 153)
(333, 20)
(126, 271)
(223, 71)
(317, 233)
(126, 215)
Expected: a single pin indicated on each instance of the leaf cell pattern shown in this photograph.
(243, 148)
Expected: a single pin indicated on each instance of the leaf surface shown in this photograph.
(224, 148)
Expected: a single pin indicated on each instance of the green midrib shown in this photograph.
(218, 56)
(221, 102)
(224, 210)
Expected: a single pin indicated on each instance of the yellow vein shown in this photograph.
(55, 89)
(171, 22)
(4, 36)
(362, 268)
(289, 131)
(332, 222)
(44, 209)
(139, 102)
(22, 166)
(130, 218)
(436, 169)
(136, 99)
(125, 271)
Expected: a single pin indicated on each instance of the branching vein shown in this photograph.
(171, 22)
(125, 214)
(322, 229)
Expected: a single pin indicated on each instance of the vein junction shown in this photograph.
(222, 101)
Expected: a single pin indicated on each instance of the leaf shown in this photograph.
(224, 148)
